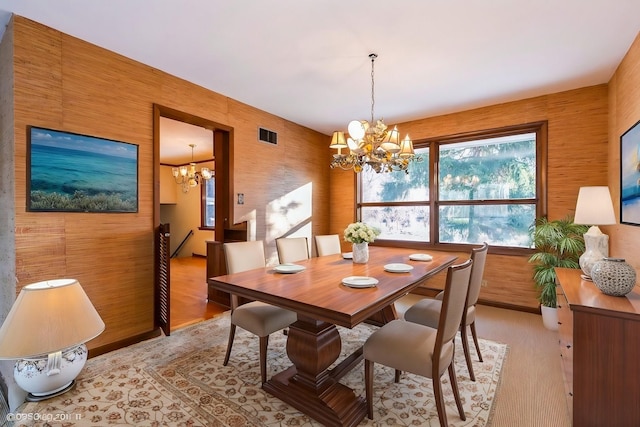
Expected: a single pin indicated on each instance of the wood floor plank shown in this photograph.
(189, 302)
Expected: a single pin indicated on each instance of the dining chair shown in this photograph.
(427, 311)
(292, 249)
(328, 244)
(257, 317)
(419, 349)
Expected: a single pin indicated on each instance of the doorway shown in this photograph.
(213, 152)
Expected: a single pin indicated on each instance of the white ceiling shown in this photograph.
(307, 60)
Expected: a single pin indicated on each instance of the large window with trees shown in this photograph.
(469, 188)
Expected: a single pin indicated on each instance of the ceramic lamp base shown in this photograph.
(50, 375)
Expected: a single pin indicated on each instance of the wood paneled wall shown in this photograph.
(577, 136)
(65, 83)
(624, 112)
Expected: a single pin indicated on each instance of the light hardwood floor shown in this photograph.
(189, 293)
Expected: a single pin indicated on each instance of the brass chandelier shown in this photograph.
(187, 176)
(372, 144)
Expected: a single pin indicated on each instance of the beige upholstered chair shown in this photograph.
(427, 311)
(259, 318)
(420, 349)
(328, 244)
(292, 249)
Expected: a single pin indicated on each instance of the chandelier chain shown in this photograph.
(373, 57)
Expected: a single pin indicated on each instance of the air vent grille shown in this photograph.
(266, 135)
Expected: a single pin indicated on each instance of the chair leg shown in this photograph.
(368, 386)
(232, 334)
(437, 392)
(456, 392)
(475, 340)
(264, 342)
(465, 347)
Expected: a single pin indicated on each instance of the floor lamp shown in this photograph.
(594, 208)
(45, 330)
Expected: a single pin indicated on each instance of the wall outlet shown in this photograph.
(241, 198)
(484, 283)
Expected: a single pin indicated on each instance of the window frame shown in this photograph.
(203, 203)
(540, 128)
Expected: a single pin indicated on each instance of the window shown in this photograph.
(209, 203)
(471, 188)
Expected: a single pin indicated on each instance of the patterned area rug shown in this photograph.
(180, 381)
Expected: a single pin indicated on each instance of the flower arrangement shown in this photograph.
(359, 232)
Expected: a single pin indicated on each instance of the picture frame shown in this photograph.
(630, 176)
(70, 172)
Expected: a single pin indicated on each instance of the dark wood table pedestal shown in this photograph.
(309, 386)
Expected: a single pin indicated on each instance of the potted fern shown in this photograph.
(558, 243)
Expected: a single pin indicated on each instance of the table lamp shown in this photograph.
(45, 330)
(594, 208)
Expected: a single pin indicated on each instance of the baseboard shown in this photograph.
(124, 343)
(515, 307)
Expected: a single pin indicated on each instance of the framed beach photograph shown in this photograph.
(630, 176)
(68, 172)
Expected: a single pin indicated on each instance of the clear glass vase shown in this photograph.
(361, 253)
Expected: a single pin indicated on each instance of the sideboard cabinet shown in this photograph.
(599, 337)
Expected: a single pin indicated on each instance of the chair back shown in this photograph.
(328, 244)
(453, 304)
(292, 249)
(479, 256)
(243, 256)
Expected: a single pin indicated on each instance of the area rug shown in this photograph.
(179, 380)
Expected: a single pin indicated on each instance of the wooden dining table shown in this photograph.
(322, 301)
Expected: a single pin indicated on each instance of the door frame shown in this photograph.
(223, 158)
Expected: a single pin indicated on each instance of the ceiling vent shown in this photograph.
(266, 135)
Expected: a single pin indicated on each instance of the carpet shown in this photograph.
(180, 381)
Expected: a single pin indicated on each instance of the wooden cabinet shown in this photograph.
(216, 265)
(599, 337)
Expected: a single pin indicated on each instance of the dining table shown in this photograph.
(315, 289)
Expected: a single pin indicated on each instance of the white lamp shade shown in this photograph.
(356, 129)
(406, 147)
(594, 206)
(338, 141)
(48, 317)
(391, 144)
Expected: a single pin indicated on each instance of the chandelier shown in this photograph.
(187, 176)
(371, 143)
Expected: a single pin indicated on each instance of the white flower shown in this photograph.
(359, 232)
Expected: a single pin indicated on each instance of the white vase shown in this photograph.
(361, 253)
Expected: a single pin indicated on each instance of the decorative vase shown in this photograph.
(613, 276)
(360, 253)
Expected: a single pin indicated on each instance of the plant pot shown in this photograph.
(549, 317)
